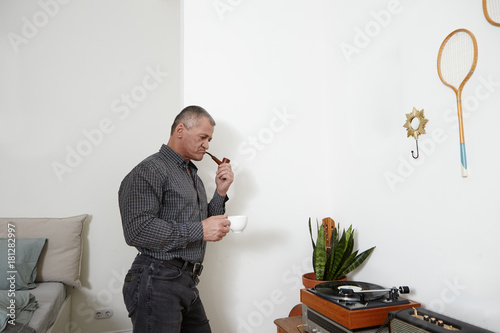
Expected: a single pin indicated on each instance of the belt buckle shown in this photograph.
(197, 269)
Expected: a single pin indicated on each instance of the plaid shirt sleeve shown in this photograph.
(217, 205)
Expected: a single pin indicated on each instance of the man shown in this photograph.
(166, 216)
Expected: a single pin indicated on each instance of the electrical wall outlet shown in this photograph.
(103, 313)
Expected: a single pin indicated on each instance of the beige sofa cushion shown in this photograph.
(61, 257)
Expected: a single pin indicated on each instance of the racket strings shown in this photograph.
(493, 9)
(457, 58)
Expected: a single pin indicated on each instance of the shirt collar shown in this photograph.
(172, 155)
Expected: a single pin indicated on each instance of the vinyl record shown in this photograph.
(334, 290)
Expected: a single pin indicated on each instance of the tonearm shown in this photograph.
(393, 293)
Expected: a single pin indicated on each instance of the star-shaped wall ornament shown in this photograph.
(414, 130)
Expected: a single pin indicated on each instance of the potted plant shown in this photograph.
(333, 254)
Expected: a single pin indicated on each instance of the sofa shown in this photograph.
(40, 265)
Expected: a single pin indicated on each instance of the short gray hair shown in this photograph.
(190, 116)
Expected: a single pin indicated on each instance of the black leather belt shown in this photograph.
(195, 268)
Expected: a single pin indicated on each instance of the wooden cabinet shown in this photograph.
(289, 325)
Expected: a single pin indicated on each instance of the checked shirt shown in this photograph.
(162, 206)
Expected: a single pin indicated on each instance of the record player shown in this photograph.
(348, 306)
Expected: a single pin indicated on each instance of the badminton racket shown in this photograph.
(457, 59)
(491, 9)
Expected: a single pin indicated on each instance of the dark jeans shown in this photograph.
(161, 298)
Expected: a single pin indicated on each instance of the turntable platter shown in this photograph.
(340, 290)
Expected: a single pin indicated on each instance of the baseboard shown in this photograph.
(125, 331)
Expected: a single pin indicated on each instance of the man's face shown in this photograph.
(196, 139)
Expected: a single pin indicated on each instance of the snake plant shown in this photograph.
(337, 260)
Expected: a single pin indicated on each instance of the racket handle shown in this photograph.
(463, 159)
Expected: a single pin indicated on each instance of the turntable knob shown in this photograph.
(426, 317)
(440, 323)
(432, 320)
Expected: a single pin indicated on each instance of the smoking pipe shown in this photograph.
(224, 160)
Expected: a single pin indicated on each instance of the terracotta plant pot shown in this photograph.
(309, 280)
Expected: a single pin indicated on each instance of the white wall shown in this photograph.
(343, 152)
(310, 134)
(72, 76)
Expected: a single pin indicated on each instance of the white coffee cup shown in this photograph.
(238, 223)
